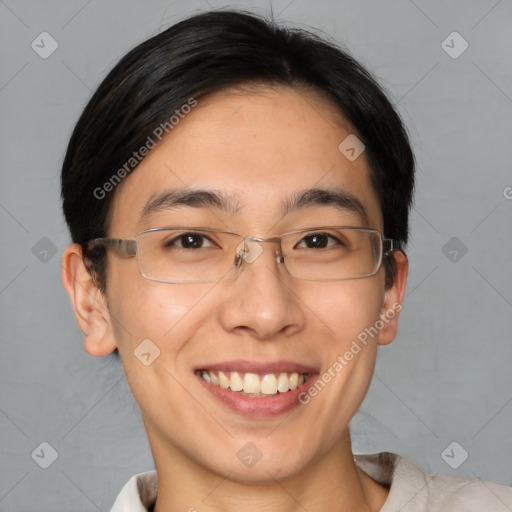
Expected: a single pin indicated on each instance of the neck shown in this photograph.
(333, 482)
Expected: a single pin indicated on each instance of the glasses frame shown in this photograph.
(129, 247)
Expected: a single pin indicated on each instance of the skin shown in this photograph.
(258, 145)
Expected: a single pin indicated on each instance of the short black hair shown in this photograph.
(210, 52)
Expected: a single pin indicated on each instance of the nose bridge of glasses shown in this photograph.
(250, 248)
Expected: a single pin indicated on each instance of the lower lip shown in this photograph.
(258, 407)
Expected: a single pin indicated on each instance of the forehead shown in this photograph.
(259, 148)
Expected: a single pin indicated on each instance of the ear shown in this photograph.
(89, 304)
(393, 298)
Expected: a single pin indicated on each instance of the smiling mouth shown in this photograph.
(255, 385)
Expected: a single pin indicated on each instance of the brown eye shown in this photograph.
(188, 241)
(318, 241)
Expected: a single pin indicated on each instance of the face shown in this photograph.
(258, 147)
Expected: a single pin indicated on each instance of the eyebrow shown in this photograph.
(218, 200)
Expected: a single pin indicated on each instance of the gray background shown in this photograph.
(447, 377)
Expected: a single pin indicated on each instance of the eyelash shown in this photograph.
(322, 234)
(171, 243)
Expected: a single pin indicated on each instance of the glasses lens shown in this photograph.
(181, 256)
(200, 256)
(333, 253)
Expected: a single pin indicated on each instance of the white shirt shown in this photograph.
(411, 490)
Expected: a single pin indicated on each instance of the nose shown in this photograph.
(260, 300)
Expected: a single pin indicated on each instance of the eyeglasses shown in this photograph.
(204, 255)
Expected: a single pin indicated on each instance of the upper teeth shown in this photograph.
(268, 384)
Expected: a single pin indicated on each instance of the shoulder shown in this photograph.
(413, 490)
(469, 495)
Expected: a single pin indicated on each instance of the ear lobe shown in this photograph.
(88, 303)
(393, 298)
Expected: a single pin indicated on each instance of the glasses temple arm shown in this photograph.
(126, 247)
(390, 245)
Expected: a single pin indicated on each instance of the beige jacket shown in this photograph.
(411, 490)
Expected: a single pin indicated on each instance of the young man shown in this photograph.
(238, 199)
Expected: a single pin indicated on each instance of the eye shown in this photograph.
(319, 241)
(189, 241)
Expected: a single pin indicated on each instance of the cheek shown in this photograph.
(152, 322)
(348, 311)
(346, 308)
(151, 310)
(166, 314)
